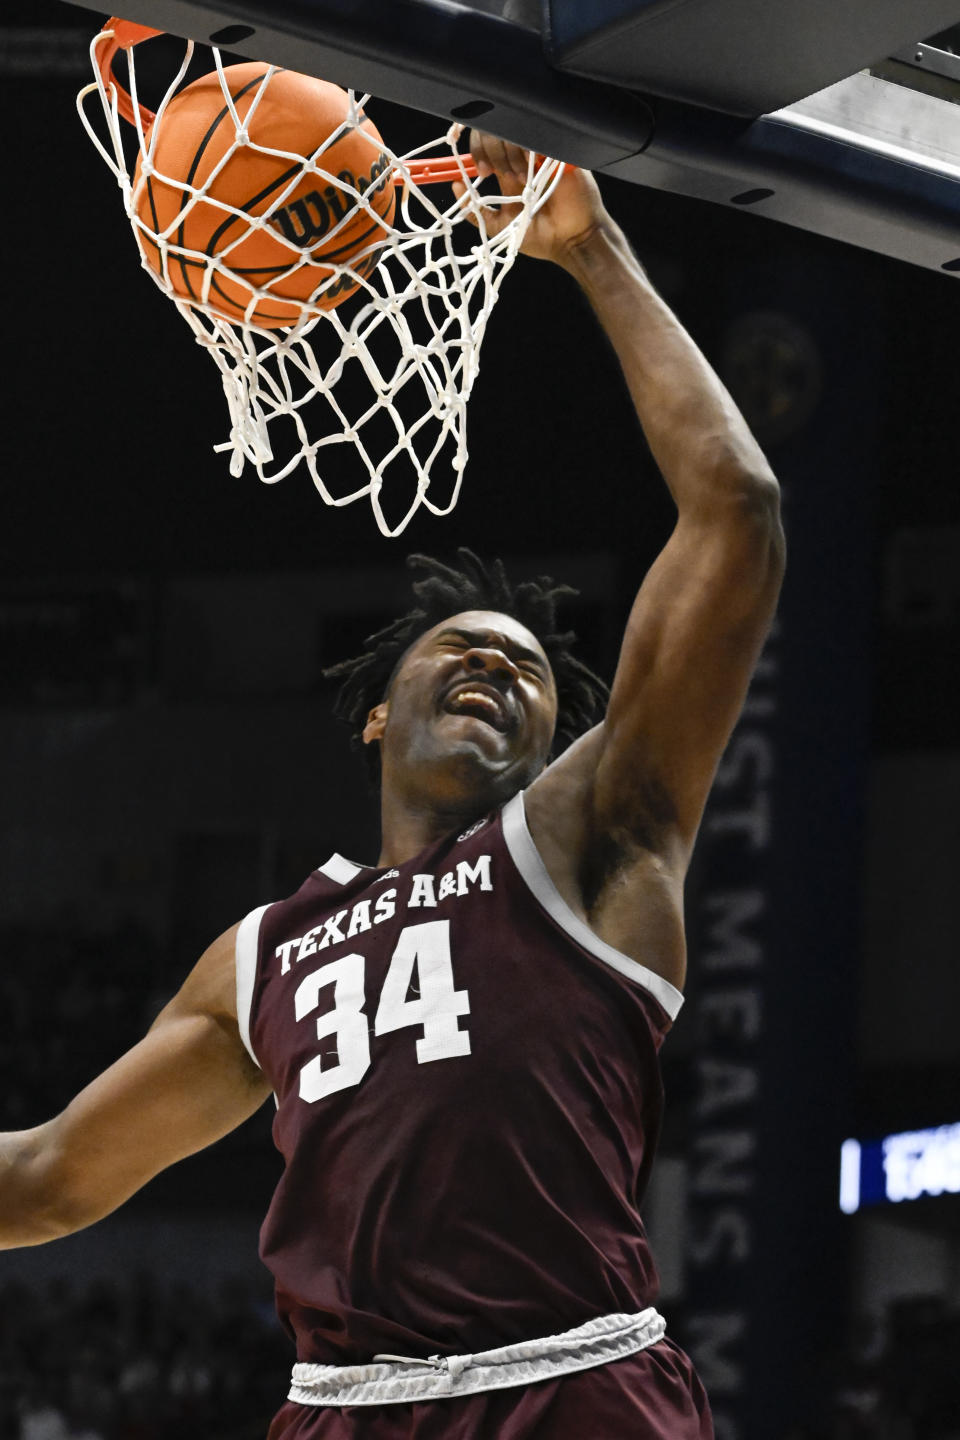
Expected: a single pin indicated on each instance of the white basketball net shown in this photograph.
(370, 396)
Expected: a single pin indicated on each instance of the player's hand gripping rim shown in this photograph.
(572, 213)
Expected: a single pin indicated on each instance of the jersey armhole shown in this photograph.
(526, 857)
(247, 946)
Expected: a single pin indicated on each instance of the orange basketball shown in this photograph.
(293, 253)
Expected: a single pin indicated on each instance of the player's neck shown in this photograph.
(407, 827)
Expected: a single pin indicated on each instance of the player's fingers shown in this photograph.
(512, 164)
(489, 152)
(478, 149)
(495, 156)
(518, 160)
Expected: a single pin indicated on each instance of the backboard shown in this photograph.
(842, 120)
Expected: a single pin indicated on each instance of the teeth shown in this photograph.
(474, 695)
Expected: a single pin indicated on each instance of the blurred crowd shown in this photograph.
(72, 1000)
(134, 1360)
(899, 1380)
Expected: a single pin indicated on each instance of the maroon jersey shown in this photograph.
(468, 1102)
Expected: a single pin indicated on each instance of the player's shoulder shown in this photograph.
(559, 802)
(575, 816)
(627, 888)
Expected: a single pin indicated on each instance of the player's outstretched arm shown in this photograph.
(700, 618)
(705, 607)
(616, 816)
(188, 1082)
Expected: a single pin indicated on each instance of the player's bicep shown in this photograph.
(186, 1084)
(691, 644)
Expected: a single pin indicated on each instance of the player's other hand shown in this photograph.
(572, 213)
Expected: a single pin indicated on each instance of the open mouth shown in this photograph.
(481, 702)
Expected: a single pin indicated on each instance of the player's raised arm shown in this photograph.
(704, 609)
(187, 1083)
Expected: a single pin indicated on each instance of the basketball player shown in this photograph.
(462, 1039)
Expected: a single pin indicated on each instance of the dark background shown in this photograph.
(169, 761)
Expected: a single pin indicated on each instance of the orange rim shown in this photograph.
(434, 172)
(124, 34)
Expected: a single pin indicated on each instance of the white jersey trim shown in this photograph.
(246, 947)
(526, 857)
(400, 1379)
(339, 870)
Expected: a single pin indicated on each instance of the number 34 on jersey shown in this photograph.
(421, 964)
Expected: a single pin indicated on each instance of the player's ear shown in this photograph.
(376, 723)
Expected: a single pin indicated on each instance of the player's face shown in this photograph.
(472, 708)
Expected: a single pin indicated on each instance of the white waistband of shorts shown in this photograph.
(393, 1379)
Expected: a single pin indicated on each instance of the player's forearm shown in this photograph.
(696, 434)
(28, 1200)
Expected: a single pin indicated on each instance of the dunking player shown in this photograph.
(462, 1040)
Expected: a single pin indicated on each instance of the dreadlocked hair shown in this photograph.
(443, 591)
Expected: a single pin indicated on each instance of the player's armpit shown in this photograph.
(187, 1083)
(690, 647)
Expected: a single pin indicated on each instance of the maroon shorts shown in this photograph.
(653, 1395)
